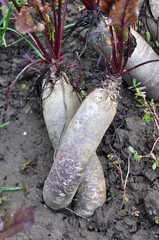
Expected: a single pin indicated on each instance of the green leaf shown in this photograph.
(5, 20)
(137, 84)
(153, 156)
(134, 82)
(154, 166)
(147, 118)
(148, 35)
(152, 102)
(157, 43)
(131, 149)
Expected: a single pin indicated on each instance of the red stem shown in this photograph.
(139, 65)
(154, 146)
(123, 185)
(39, 46)
(128, 53)
(108, 59)
(60, 28)
(121, 51)
(57, 46)
(16, 5)
(114, 52)
(97, 3)
(52, 2)
(86, 4)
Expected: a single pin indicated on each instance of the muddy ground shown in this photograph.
(25, 139)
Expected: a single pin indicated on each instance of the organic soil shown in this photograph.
(25, 139)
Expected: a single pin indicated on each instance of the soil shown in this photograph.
(25, 139)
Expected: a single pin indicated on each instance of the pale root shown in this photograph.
(148, 74)
(91, 193)
(79, 142)
(60, 103)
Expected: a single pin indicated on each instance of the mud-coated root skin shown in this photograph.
(154, 6)
(58, 107)
(53, 193)
(147, 74)
(80, 141)
(91, 193)
(62, 100)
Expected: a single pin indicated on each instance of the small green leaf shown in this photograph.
(134, 82)
(131, 149)
(157, 43)
(137, 84)
(147, 118)
(138, 157)
(152, 102)
(153, 156)
(154, 166)
(148, 36)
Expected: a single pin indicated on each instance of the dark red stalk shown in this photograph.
(86, 4)
(60, 28)
(52, 2)
(39, 46)
(43, 2)
(91, 4)
(114, 51)
(108, 59)
(49, 45)
(45, 34)
(139, 65)
(121, 43)
(63, 19)
(97, 3)
(57, 46)
(16, 5)
(128, 52)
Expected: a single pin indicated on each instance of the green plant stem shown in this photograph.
(11, 188)
(4, 124)
(35, 49)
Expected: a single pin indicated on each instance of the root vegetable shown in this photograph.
(147, 74)
(91, 193)
(58, 107)
(154, 6)
(60, 103)
(78, 144)
(150, 18)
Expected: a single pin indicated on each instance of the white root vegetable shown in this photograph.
(150, 20)
(58, 107)
(147, 74)
(78, 144)
(154, 6)
(91, 193)
(60, 103)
